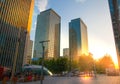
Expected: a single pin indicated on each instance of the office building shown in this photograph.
(48, 28)
(78, 40)
(15, 23)
(114, 6)
(28, 56)
(66, 53)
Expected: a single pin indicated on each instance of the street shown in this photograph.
(101, 79)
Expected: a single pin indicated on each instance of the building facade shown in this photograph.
(114, 6)
(66, 53)
(48, 28)
(78, 40)
(28, 56)
(15, 22)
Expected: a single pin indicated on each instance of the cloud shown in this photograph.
(80, 1)
(41, 4)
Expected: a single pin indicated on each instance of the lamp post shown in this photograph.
(43, 47)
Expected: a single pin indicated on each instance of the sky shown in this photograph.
(94, 13)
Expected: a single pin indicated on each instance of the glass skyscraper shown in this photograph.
(48, 28)
(15, 22)
(114, 6)
(78, 40)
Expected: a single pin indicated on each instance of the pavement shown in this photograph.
(100, 79)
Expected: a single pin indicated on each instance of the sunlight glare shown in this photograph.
(86, 77)
(116, 66)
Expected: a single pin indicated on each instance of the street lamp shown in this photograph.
(43, 47)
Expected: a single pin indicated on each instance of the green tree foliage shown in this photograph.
(61, 65)
(85, 63)
(74, 65)
(57, 65)
(35, 62)
(54, 65)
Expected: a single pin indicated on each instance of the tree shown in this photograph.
(50, 64)
(62, 65)
(86, 63)
(103, 63)
(34, 62)
(54, 65)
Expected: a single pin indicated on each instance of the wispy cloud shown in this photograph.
(41, 4)
(80, 1)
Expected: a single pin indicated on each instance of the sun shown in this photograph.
(116, 66)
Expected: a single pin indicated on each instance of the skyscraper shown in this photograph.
(66, 53)
(28, 55)
(114, 6)
(15, 22)
(48, 28)
(78, 40)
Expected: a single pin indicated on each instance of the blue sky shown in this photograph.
(94, 13)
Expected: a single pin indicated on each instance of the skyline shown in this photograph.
(95, 15)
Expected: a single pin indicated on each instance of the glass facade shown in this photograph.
(78, 40)
(48, 28)
(15, 19)
(114, 6)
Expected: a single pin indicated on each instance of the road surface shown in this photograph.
(101, 79)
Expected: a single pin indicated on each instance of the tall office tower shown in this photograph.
(114, 6)
(15, 22)
(28, 56)
(78, 40)
(48, 28)
(66, 53)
